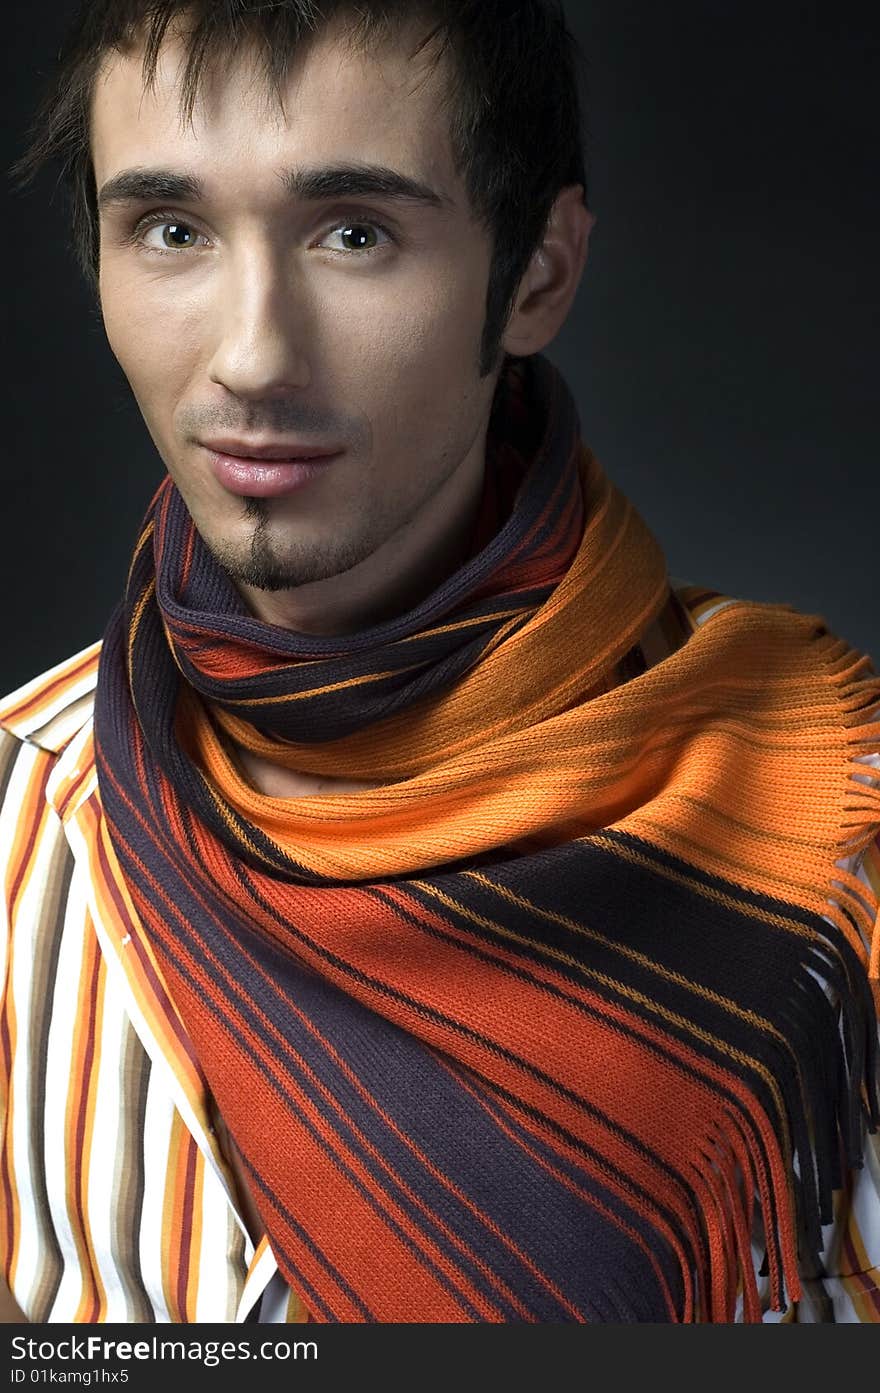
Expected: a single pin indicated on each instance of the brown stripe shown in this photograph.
(128, 1180)
(47, 933)
(9, 748)
(84, 1060)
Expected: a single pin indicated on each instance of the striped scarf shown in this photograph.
(539, 1027)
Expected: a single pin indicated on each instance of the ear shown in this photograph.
(547, 289)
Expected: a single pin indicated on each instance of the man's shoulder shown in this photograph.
(50, 709)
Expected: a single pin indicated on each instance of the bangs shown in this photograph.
(275, 35)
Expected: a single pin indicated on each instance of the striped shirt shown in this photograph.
(118, 1199)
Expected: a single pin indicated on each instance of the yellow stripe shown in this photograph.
(780, 921)
(296, 1310)
(195, 1253)
(630, 993)
(512, 614)
(136, 619)
(863, 1307)
(322, 691)
(234, 827)
(175, 1174)
(751, 1016)
(141, 543)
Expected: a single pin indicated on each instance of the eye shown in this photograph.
(357, 237)
(171, 236)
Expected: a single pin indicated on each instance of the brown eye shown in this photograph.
(356, 237)
(174, 235)
(359, 237)
(158, 235)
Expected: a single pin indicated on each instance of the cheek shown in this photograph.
(427, 330)
(428, 305)
(443, 312)
(153, 340)
(413, 361)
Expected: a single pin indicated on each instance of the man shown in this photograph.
(419, 908)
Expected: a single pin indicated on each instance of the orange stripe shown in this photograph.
(187, 1265)
(175, 1253)
(196, 1230)
(80, 1119)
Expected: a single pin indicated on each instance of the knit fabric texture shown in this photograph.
(542, 1024)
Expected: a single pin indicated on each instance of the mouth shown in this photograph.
(274, 471)
(275, 451)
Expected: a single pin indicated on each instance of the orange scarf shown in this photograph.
(528, 1030)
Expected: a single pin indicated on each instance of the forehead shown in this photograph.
(338, 104)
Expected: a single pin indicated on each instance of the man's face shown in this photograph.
(246, 312)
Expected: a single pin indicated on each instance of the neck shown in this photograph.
(275, 781)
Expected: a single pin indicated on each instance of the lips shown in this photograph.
(270, 473)
(284, 450)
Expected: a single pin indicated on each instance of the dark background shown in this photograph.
(722, 349)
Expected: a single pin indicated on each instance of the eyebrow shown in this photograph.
(309, 185)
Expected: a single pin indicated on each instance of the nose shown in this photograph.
(262, 326)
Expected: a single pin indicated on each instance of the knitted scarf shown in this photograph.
(542, 1026)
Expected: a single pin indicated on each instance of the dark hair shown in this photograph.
(512, 97)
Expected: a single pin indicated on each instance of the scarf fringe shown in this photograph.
(839, 1081)
(729, 1169)
(857, 687)
(789, 1170)
(740, 1274)
(734, 1270)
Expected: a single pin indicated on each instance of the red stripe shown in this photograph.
(186, 1228)
(866, 1285)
